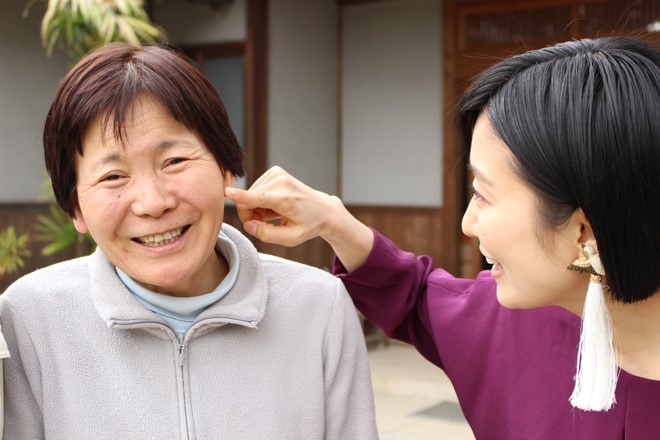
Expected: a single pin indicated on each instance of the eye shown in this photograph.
(110, 178)
(475, 194)
(175, 161)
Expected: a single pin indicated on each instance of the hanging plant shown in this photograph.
(79, 26)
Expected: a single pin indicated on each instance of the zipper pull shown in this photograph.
(181, 348)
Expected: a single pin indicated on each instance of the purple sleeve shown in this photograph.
(391, 289)
(512, 369)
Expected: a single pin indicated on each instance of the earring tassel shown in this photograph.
(597, 371)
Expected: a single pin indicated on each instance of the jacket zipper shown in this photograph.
(181, 342)
(182, 345)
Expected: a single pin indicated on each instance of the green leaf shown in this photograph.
(13, 248)
(80, 25)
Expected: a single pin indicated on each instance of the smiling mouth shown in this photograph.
(491, 261)
(162, 238)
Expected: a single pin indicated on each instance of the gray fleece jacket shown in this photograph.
(280, 357)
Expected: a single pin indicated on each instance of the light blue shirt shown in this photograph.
(180, 312)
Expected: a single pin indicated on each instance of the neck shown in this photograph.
(637, 333)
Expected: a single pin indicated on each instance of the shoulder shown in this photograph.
(49, 283)
(286, 277)
(281, 268)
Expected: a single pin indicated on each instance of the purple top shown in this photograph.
(512, 369)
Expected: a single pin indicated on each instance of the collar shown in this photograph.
(243, 304)
(180, 312)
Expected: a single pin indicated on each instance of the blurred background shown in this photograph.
(354, 97)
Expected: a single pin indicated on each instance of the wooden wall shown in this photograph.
(23, 217)
(417, 230)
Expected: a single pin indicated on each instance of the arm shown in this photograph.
(303, 214)
(349, 405)
(4, 353)
(390, 289)
(23, 418)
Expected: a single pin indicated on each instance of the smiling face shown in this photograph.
(155, 203)
(529, 263)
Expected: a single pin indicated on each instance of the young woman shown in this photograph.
(565, 151)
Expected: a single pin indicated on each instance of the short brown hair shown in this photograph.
(106, 82)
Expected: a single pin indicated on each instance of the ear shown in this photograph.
(586, 233)
(230, 180)
(79, 222)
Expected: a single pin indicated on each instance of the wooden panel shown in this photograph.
(512, 26)
(256, 90)
(616, 16)
(453, 158)
(315, 253)
(417, 230)
(486, 31)
(23, 216)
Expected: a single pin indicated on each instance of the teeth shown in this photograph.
(489, 261)
(160, 239)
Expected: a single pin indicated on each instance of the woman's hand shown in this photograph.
(280, 209)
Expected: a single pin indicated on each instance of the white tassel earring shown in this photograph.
(597, 371)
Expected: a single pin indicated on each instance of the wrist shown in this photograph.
(350, 239)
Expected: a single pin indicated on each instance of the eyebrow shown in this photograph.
(112, 157)
(479, 174)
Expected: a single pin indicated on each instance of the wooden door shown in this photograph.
(478, 33)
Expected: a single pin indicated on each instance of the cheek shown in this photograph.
(99, 209)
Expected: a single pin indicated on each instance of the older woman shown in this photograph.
(565, 153)
(175, 328)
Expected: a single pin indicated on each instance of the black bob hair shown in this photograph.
(582, 121)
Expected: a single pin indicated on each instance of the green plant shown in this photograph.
(13, 248)
(81, 25)
(59, 232)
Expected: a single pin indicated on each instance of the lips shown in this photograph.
(163, 238)
(496, 265)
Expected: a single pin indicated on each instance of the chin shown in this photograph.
(511, 301)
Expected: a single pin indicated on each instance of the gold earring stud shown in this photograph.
(582, 264)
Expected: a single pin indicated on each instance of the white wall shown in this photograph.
(392, 124)
(392, 103)
(27, 85)
(194, 23)
(302, 90)
(301, 75)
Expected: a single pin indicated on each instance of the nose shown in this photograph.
(152, 197)
(469, 223)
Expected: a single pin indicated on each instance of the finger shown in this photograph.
(252, 199)
(245, 213)
(236, 195)
(265, 215)
(275, 234)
